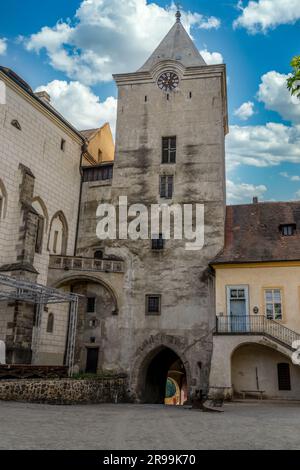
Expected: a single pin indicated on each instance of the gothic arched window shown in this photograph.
(58, 235)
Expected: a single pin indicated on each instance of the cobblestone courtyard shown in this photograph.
(152, 427)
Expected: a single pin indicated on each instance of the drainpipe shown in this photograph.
(83, 151)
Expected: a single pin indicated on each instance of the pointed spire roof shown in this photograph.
(176, 45)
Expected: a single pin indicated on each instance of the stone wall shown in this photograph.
(66, 391)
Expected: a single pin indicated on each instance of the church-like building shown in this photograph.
(147, 307)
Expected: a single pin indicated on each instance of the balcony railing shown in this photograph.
(258, 325)
(85, 264)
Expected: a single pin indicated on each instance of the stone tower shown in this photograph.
(171, 127)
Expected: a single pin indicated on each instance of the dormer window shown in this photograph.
(287, 230)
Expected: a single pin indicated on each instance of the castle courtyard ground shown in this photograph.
(248, 425)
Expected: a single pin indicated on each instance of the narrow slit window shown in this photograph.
(55, 241)
(63, 145)
(39, 235)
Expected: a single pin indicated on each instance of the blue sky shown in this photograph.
(73, 58)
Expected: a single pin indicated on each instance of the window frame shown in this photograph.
(168, 150)
(287, 227)
(165, 194)
(88, 298)
(274, 288)
(150, 312)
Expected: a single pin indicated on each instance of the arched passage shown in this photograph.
(161, 373)
(97, 332)
(259, 367)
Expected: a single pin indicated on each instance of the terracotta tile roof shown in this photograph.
(88, 133)
(253, 234)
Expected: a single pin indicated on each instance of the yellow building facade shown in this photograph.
(257, 300)
(100, 144)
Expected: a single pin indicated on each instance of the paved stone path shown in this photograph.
(152, 427)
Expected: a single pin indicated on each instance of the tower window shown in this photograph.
(98, 254)
(63, 145)
(158, 243)
(287, 230)
(166, 187)
(190, 94)
(146, 99)
(169, 149)
(91, 304)
(153, 304)
(284, 376)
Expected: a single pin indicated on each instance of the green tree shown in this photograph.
(293, 82)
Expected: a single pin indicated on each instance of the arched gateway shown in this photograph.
(161, 374)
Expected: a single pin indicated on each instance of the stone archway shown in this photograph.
(150, 371)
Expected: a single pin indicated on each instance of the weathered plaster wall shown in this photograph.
(180, 276)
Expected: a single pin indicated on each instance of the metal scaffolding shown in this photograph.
(12, 289)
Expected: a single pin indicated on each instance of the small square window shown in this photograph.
(153, 304)
(158, 243)
(91, 304)
(288, 230)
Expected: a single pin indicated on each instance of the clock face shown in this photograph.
(168, 81)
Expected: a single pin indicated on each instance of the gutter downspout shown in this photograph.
(83, 151)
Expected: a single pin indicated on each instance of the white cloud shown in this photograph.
(3, 46)
(262, 146)
(80, 106)
(212, 58)
(110, 36)
(245, 111)
(274, 94)
(262, 15)
(290, 177)
(297, 194)
(238, 193)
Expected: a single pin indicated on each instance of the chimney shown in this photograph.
(43, 95)
(255, 200)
